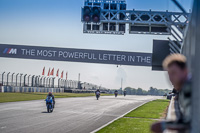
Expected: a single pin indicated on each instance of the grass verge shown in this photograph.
(153, 109)
(139, 120)
(14, 97)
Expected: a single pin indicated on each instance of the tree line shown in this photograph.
(151, 91)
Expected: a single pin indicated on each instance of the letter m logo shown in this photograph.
(10, 51)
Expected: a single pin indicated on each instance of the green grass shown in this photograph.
(127, 125)
(152, 109)
(14, 97)
(139, 120)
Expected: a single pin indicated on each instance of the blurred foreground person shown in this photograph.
(176, 67)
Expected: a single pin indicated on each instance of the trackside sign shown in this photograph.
(75, 55)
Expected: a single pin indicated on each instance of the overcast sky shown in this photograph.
(56, 23)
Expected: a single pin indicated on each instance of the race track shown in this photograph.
(71, 115)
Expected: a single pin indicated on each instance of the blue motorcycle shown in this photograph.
(97, 96)
(49, 104)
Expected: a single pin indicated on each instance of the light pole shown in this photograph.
(73, 84)
(79, 77)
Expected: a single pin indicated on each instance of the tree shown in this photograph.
(139, 91)
(133, 91)
(128, 90)
(152, 91)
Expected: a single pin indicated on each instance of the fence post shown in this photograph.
(33, 80)
(65, 84)
(62, 83)
(25, 79)
(58, 82)
(12, 78)
(2, 77)
(53, 82)
(47, 82)
(7, 78)
(16, 78)
(20, 79)
(44, 81)
(38, 81)
(28, 79)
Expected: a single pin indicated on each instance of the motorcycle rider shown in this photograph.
(51, 95)
(125, 93)
(116, 93)
(97, 93)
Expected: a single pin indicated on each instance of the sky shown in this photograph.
(57, 23)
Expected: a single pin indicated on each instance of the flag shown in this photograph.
(52, 72)
(66, 75)
(62, 75)
(43, 72)
(57, 73)
(48, 72)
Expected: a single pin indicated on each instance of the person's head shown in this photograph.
(176, 66)
(50, 93)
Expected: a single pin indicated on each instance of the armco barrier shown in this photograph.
(5, 89)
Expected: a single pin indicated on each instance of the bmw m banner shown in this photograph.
(75, 55)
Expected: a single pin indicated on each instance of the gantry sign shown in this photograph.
(112, 17)
(75, 55)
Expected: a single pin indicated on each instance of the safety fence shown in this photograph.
(25, 80)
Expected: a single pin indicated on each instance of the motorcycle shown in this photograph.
(97, 95)
(49, 104)
(116, 94)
